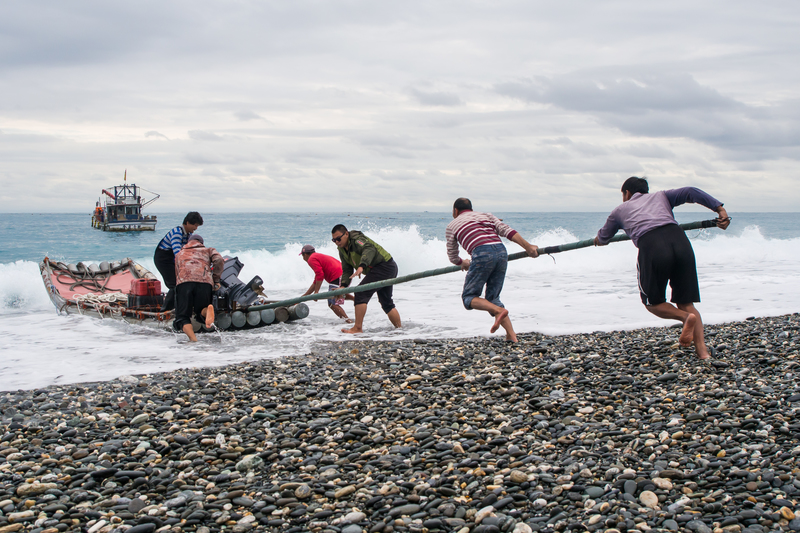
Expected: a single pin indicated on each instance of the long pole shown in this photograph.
(446, 270)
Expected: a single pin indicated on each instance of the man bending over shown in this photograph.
(665, 253)
(360, 254)
(479, 234)
(198, 271)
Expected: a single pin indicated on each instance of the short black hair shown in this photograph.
(193, 217)
(462, 204)
(634, 185)
(339, 227)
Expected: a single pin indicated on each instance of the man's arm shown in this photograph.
(315, 286)
(319, 275)
(219, 264)
(347, 270)
(693, 195)
(452, 246)
(608, 231)
(503, 229)
(368, 253)
(176, 242)
(723, 220)
(532, 249)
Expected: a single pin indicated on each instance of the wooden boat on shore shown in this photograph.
(125, 290)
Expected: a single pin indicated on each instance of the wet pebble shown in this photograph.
(610, 431)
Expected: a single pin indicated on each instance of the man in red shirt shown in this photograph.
(326, 268)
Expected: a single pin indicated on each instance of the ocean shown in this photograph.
(752, 269)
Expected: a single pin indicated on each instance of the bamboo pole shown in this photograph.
(446, 270)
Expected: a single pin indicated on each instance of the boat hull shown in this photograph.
(125, 225)
(103, 292)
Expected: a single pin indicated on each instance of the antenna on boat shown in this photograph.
(125, 177)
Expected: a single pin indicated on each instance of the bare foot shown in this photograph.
(511, 338)
(187, 328)
(497, 319)
(687, 334)
(209, 316)
(703, 353)
(352, 330)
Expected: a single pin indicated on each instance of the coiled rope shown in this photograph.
(100, 298)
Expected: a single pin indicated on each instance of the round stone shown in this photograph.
(662, 483)
(649, 499)
(594, 492)
(518, 476)
(670, 524)
(302, 491)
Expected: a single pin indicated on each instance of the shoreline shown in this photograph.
(601, 431)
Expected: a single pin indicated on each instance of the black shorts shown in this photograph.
(665, 254)
(380, 272)
(190, 299)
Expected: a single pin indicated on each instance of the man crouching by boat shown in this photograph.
(198, 271)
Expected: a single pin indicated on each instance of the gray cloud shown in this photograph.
(402, 146)
(629, 95)
(154, 133)
(246, 115)
(204, 159)
(200, 135)
(435, 98)
(499, 100)
(648, 150)
(669, 105)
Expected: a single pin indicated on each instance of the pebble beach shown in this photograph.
(591, 432)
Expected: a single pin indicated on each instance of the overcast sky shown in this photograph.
(403, 106)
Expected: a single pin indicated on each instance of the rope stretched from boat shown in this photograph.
(446, 270)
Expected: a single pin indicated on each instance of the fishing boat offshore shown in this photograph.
(122, 209)
(126, 291)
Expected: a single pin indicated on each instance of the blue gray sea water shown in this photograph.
(29, 237)
(753, 269)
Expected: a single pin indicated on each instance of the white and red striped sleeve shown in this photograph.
(452, 243)
(503, 229)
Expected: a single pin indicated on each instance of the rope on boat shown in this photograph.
(548, 250)
(88, 282)
(100, 298)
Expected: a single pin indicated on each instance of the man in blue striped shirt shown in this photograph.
(168, 248)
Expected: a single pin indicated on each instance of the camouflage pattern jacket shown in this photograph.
(197, 263)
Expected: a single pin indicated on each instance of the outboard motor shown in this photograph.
(232, 289)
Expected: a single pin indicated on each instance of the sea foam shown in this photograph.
(579, 291)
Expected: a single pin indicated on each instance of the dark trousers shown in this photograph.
(192, 297)
(165, 263)
(380, 272)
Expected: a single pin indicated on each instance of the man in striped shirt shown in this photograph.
(168, 248)
(479, 234)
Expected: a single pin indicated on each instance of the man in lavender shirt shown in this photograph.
(665, 253)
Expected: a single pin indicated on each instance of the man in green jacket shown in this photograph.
(360, 254)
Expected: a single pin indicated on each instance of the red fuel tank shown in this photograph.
(139, 287)
(153, 287)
